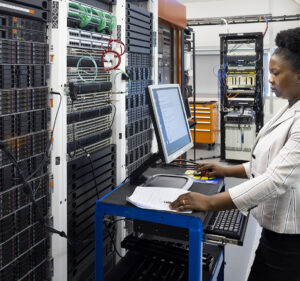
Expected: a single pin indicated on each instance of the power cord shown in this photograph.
(114, 115)
(108, 228)
(98, 197)
(28, 191)
(27, 188)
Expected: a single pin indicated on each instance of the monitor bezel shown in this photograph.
(159, 134)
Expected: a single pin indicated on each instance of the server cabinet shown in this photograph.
(241, 88)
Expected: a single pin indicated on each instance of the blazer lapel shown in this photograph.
(270, 125)
(283, 115)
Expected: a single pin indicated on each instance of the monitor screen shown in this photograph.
(170, 121)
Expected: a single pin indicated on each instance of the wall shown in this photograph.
(208, 43)
(239, 259)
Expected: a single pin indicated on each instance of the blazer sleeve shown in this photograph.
(247, 169)
(282, 173)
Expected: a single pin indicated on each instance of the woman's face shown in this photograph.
(284, 80)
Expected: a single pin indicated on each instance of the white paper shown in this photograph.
(149, 197)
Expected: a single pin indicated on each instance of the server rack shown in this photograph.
(83, 158)
(241, 93)
(90, 168)
(165, 55)
(139, 37)
(24, 95)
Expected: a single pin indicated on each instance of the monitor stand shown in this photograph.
(166, 180)
(159, 180)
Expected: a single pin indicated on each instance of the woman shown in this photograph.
(272, 192)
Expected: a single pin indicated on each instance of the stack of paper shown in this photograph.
(156, 198)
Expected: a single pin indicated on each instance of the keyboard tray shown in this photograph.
(225, 227)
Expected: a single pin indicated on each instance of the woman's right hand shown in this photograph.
(213, 170)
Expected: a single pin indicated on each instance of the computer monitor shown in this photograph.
(170, 121)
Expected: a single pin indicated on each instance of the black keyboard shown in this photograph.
(227, 223)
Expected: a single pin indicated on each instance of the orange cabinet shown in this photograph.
(207, 120)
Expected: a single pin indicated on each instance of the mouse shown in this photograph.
(201, 173)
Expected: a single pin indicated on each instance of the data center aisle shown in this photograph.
(238, 259)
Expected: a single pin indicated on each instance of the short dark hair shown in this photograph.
(288, 46)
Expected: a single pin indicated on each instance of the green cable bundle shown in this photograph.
(89, 15)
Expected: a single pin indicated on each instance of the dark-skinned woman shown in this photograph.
(272, 193)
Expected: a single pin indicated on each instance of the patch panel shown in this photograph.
(85, 39)
(89, 101)
(86, 74)
(79, 33)
(86, 128)
(88, 114)
(79, 152)
(82, 52)
(88, 140)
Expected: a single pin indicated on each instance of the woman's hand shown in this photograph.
(218, 171)
(214, 170)
(199, 202)
(191, 201)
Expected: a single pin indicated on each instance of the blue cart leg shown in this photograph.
(99, 244)
(195, 254)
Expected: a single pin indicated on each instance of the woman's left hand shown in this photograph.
(191, 201)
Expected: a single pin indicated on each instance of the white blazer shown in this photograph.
(273, 189)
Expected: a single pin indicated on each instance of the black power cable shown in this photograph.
(28, 191)
(114, 115)
(27, 188)
(98, 196)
